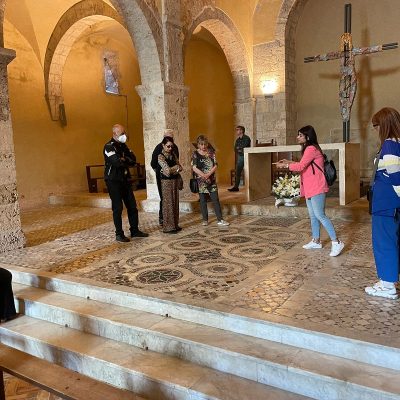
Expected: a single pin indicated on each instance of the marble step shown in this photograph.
(149, 374)
(352, 349)
(286, 367)
(59, 381)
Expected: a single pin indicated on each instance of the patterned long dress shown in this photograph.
(170, 192)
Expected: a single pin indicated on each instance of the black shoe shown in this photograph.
(122, 238)
(178, 229)
(139, 234)
(233, 189)
(174, 231)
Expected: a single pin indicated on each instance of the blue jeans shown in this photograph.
(239, 169)
(316, 210)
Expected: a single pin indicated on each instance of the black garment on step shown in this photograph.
(7, 306)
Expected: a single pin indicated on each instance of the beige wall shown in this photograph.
(52, 159)
(241, 13)
(210, 101)
(264, 21)
(317, 83)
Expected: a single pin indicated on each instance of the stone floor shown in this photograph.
(255, 267)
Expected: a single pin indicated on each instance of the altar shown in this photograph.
(257, 169)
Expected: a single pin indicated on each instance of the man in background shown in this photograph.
(241, 142)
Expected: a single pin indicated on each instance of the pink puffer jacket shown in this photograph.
(311, 183)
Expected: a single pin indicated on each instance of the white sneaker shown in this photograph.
(337, 248)
(379, 290)
(312, 245)
(204, 223)
(222, 223)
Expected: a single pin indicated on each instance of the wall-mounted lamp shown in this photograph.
(269, 87)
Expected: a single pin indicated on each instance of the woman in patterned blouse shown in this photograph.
(170, 181)
(204, 166)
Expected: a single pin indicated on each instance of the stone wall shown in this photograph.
(11, 236)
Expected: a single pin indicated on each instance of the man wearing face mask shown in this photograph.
(118, 158)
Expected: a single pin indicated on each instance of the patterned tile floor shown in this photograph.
(17, 389)
(256, 266)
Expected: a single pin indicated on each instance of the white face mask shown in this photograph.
(122, 139)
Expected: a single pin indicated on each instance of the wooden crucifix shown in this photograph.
(348, 79)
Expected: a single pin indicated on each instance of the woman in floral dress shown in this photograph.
(204, 166)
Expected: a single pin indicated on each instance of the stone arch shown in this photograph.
(78, 19)
(143, 23)
(2, 9)
(228, 36)
(285, 35)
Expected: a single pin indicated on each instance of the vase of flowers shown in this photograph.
(286, 190)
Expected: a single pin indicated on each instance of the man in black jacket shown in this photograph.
(157, 169)
(118, 158)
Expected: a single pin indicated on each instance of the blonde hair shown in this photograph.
(202, 139)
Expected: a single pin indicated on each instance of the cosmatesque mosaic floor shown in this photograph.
(256, 265)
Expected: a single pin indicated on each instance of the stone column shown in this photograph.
(243, 110)
(11, 236)
(165, 105)
(176, 94)
(273, 119)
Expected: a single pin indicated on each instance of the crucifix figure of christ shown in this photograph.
(348, 79)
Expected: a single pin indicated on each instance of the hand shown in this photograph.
(281, 165)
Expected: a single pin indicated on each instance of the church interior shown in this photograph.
(240, 312)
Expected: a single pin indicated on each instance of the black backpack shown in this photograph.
(329, 170)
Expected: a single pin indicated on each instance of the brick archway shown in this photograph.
(230, 40)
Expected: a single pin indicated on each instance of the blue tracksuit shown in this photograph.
(386, 212)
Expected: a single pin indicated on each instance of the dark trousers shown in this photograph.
(122, 192)
(239, 169)
(158, 179)
(7, 307)
(203, 205)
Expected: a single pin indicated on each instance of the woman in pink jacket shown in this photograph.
(313, 187)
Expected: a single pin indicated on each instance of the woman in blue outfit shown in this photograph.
(386, 205)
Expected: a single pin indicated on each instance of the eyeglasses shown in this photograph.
(169, 146)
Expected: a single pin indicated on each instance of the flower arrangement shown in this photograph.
(286, 187)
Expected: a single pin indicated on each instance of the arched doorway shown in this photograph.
(216, 70)
(140, 22)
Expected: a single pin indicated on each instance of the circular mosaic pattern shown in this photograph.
(250, 252)
(162, 275)
(236, 239)
(220, 269)
(280, 236)
(153, 260)
(190, 244)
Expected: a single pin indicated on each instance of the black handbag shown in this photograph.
(194, 185)
(370, 191)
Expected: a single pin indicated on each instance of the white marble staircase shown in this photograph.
(194, 353)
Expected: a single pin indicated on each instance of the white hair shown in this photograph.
(169, 132)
